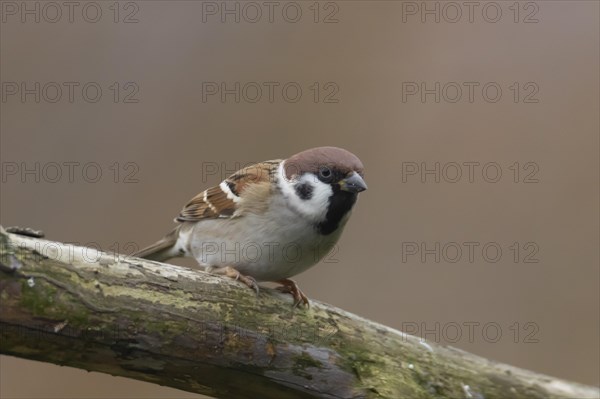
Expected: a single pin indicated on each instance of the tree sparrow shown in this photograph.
(269, 221)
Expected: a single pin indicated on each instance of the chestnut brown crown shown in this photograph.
(311, 161)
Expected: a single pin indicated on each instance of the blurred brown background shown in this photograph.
(169, 138)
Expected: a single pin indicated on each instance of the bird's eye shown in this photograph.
(325, 172)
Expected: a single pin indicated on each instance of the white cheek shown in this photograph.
(314, 208)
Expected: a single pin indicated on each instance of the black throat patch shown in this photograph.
(340, 203)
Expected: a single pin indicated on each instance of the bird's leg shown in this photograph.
(230, 272)
(290, 287)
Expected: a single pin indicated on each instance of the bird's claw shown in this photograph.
(250, 282)
(237, 276)
(290, 287)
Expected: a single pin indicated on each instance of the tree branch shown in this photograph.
(193, 331)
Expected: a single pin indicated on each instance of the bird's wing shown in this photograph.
(246, 190)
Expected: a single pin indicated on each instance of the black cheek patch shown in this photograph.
(304, 191)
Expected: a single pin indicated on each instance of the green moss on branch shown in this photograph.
(201, 333)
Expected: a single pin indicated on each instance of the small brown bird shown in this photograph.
(269, 221)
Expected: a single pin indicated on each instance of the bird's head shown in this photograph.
(323, 184)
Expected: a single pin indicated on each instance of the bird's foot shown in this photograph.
(290, 287)
(230, 272)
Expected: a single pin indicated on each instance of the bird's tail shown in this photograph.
(163, 249)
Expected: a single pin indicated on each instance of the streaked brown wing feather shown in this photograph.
(214, 203)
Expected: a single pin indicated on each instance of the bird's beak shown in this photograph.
(353, 183)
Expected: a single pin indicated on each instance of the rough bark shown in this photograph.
(200, 333)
